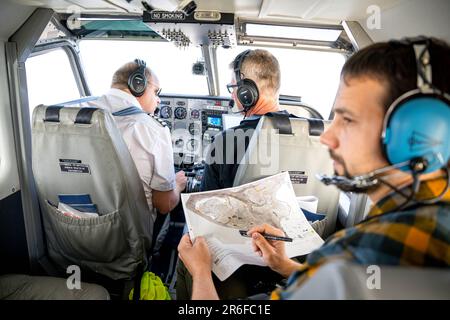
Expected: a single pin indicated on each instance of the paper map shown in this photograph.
(219, 215)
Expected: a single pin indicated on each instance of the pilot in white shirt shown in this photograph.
(132, 100)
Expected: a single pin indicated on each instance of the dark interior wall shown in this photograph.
(13, 244)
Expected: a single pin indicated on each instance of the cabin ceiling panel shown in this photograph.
(328, 11)
(12, 16)
(249, 7)
(86, 6)
(331, 11)
(244, 7)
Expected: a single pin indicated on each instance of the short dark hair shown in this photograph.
(394, 63)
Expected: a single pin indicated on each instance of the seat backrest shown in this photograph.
(344, 280)
(279, 144)
(81, 151)
(25, 287)
(303, 111)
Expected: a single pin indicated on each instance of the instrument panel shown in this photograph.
(193, 122)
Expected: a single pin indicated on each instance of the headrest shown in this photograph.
(292, 125)
(67, 115)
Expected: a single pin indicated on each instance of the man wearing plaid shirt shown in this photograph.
(409, 223)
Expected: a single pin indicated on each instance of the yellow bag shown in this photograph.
(152, 288)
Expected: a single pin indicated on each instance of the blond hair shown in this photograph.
(263, 68)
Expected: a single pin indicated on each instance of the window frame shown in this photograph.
(72, 51)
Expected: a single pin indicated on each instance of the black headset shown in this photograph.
(137, 82)
(247, 91)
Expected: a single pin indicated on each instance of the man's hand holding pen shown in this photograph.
(272, 251)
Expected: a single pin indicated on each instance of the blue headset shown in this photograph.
(137, 82)
(416, 128)
(247, 91)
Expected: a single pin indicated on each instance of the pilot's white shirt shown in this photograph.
(148, 141)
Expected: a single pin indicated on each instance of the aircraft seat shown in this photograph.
(342, 280)
(280, 144)
(80, 151)
(25, 287)
(303, 111)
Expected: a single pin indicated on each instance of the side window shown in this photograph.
(50, 79)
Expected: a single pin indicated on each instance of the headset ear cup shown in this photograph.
(247, 93)
(407, 136)
(137, 81)
(137, 84)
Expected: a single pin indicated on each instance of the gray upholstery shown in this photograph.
(300, 153)
(344, 280)
(114, 243)
(24, 287)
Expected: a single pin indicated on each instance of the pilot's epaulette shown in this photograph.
(159, 120)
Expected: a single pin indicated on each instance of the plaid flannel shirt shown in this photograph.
(416, 236)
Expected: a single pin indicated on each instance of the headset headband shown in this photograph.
(238, 64)
(421, 50)
(141, 66)
(247, 92)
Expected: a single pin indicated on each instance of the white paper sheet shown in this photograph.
(219, 215)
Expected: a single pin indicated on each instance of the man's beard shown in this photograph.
(344, 187)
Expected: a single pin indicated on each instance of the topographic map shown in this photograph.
(219, 215)
(244, 207)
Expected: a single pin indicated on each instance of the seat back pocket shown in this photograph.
(98, 239)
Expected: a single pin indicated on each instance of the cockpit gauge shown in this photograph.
(180, 113)
(195, 114)
(165, 112)
(195, 128)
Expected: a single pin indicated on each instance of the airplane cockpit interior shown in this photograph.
(59, 146)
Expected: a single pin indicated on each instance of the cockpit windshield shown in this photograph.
(172, 65)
